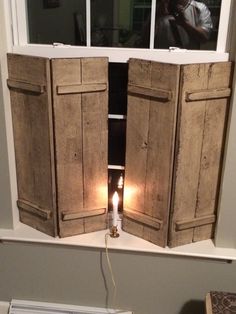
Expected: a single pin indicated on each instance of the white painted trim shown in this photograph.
(88, 23)
(22, 21)
(122, 54)
(126, 242)
(14, 22)
(152, 26)
(32, 307)
(117, 116)
(223, 25)
(116, 167)
(4, 307)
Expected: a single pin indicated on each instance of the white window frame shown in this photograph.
(15, 21)
(21, 45)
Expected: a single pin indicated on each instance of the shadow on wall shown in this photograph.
(193, 307)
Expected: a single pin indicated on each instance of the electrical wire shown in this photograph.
(111, 272)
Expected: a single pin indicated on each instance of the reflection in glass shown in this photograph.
(61, 21)
(120, 23)
(187, 24)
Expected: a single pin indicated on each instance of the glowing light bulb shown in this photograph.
(120, 182)
(115, 202)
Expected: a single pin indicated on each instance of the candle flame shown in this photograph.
(115, 199)
(120, 182)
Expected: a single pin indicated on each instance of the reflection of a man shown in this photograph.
(182, 23)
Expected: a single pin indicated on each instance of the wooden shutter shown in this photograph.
(80, 100)
(152, 104)
(204, 94)
(29, 82)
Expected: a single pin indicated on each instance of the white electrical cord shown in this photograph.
(111, 272)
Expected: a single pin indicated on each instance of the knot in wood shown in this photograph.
(144, 145)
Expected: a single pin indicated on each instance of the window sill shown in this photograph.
(126, 242)
(122, 54)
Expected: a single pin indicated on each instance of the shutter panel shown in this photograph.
(204, 95)
(152, 104)
(80, 97)
(29, 84)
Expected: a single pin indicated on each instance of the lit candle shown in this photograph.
(115, 202)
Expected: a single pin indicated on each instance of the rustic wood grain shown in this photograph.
(208, 304)
(195, 222)
(38, 89)
(33, 209)
(95, 137)
(149, 149)
(151, 92)
(200, 135)
(81, 142)
(212, 149)
(33, 129)
(81, 88)
(208, 94)
(143, 218)
(77, 215)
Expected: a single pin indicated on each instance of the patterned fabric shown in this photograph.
(223, 302)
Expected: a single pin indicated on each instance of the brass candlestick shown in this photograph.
(114, 232)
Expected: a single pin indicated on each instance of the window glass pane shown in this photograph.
(120, 23)
(61, 21)
(187, 24)
(116, 142)
(118, 80)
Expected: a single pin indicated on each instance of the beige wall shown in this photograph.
(147, 284)
(228, 199)
(5, 131)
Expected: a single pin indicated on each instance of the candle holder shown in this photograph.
(114, 232)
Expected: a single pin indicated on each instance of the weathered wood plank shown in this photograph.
(212, 149)
(208, 94)
(188, 152)
(143, 218)
(199, 149)
(208, 304)
(161, 94)
(95, 140)
(33, 209)
(196, 222)
(68, 139)
(81, 143)
(149, 154)
(23, 86)
(33, 139)
(137, 138)
(161, 137)
(82, 214)
(81, 88)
